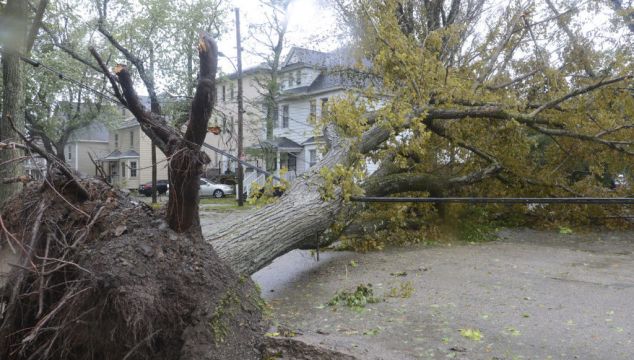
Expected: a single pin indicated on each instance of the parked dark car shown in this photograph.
(161, 188)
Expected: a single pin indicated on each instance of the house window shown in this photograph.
(231, 92)
(324, 107)
(290, 79)
(131, 138)
(285, 116)
(123, 169)
(70, 154)
(298, 77)
(312, 157)
(224, 93)
(132, 168)
(116, 141)
(313, 109)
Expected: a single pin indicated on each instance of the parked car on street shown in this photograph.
(161, 188)
(208, 188)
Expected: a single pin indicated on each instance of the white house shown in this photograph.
(91, 139)
(309, 81)
(225, 118)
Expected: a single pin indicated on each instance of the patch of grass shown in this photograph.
(226, 204)
(222, 201)
(403, 290)
(471, 231)
(362, 296)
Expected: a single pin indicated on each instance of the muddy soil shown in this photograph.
(528, 295)
(106, 279)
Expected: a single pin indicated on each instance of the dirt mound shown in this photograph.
(106, 278)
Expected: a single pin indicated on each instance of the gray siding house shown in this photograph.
(93, 140)
(309, 81)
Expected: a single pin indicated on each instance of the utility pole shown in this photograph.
(155, 109)
(240, 111)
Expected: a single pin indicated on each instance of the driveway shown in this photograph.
(529, 295)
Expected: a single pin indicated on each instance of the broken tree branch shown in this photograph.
(17, 179)
(577, 92)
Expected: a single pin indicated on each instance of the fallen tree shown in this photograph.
(102, 277)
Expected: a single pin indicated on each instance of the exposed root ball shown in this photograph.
(107, 279)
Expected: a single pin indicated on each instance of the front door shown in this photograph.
(292, 162)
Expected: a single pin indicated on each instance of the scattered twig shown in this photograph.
(24, 179)
(135, 347)
(81, 191)
(33, 334)
(100, 169)
(40, 307)
(88, 227)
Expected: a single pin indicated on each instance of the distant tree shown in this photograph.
(57, 107)
(268, 42)
(17, 39)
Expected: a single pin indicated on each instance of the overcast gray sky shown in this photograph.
(307, 20)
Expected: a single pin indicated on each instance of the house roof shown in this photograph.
(92, 132)
(130, 122)
(314, 140)
(339, 58)
(282, 144)
(248, 71)
(337, 70)
(118, 155)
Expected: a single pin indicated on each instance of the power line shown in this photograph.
(62, 76)
(494, 200)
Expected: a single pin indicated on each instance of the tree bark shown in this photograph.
(15, 25)
(299, 217)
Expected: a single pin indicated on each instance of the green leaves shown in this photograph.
(471, 334)
(362, 296)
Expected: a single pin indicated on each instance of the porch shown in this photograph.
(122, 168)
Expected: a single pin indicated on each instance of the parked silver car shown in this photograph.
(207, 188)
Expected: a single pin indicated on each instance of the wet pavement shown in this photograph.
(529, 295)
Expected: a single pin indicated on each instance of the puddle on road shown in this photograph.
(291, 268)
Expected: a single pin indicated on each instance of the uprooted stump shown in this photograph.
(107, 279)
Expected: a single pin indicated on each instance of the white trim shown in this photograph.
(90, 141)
(302, 96)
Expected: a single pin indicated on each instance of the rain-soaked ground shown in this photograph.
(529, 295)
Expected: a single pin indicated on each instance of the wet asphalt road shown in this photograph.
(530, 294)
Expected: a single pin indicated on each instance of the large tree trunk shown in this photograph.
(300, 216)
(13, 42)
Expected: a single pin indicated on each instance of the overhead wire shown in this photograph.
(62, 76)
